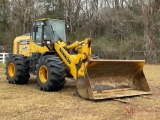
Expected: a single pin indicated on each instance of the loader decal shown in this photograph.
(24, 42)
(24, 48)
(67, 59)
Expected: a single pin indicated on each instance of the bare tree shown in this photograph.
(150, 11)
(23, 12)
(72, 8)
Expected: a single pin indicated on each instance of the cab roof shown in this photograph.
(42, 19)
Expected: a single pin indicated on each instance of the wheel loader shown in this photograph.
(45, 53)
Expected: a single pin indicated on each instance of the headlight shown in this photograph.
(48, 42)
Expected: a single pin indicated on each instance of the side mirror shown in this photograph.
(35, 28)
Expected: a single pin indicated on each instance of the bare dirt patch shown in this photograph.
(27, 102)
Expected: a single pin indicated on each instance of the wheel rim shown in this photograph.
(43, 74)
(11, 69)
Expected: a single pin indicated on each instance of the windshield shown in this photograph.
(58, 28)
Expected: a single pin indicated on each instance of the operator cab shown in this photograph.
(46, 31)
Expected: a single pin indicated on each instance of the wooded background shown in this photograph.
(120, 29)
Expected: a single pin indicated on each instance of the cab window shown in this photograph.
(37, 33)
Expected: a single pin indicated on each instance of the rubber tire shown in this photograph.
(56, 73)
(21, 64)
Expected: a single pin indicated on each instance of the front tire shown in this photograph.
(50, 73)
(17, 69)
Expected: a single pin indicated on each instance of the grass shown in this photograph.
(2, 65)
(27, 102)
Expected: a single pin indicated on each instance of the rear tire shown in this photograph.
(50, 73)
(17, 69)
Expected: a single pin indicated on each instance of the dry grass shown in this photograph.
(27, 102)
(2, 65)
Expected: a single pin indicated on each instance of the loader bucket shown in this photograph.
(106, 79)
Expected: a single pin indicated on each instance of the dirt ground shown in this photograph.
(27, 102)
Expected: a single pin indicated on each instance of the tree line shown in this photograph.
(113, 25)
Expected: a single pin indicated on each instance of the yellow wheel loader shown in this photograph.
(45, 53)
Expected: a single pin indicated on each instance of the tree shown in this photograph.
(23, 13)
(4, 20)
(150, 12)
(4, 14)
(54, 9)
